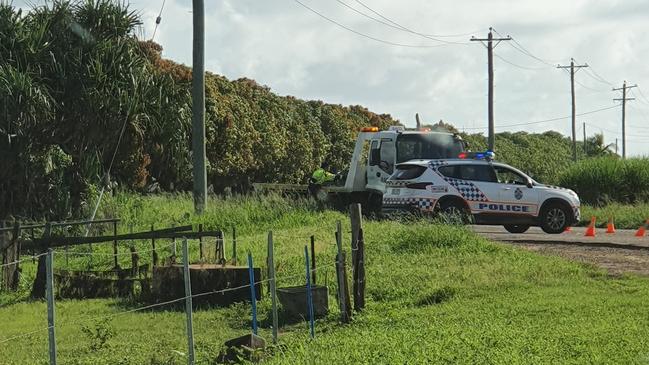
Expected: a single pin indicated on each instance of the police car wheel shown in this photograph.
(554, 219)
(516, 228)
(453, 212)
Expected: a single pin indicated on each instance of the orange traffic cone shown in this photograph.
(610, 227)
(590, 231)
(642, 230)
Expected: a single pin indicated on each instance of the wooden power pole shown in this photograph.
(198, 108)
(490, 65)
(572, 68)
(624, 99)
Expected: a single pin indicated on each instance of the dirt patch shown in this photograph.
(616, 260)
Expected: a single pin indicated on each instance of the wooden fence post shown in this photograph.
(355, 219)
(273, 287)
(359, 274)
(188, 305)
(38, 289)
(11, 253)
(341, 271)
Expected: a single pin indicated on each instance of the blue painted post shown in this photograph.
(309, 297)
(253, 297)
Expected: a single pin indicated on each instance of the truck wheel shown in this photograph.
(554, 218)
(516, 228)
(454, 212)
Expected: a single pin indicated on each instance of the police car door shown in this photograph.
(478, 186)
(515, 192)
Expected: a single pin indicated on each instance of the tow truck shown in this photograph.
(376, 153)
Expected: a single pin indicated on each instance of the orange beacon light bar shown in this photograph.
(370, 129)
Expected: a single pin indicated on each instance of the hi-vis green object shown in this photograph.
(321, 176)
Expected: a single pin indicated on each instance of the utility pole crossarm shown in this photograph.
(490, 69)
(624, 99)
(572, 68)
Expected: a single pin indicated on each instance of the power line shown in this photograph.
(642, 97)
(418, 33)
(516, 65)
(519, 47)
(403, 29)
(363, 34)
(550, 120)
(158, 19)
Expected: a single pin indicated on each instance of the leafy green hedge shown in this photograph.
(603, 180)
(543, 156)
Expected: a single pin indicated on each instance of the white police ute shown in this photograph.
(474, 186)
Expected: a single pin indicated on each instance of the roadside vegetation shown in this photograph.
(435, 294)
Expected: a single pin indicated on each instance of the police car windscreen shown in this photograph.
(427, 146)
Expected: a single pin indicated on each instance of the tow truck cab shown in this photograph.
(377, 152)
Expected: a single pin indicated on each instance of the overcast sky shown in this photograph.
(292, 50)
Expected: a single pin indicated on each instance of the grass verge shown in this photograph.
(434, 294)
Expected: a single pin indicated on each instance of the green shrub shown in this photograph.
(603, 180)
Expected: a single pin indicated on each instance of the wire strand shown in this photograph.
(549, 120)
(398, 27)
(363, 34)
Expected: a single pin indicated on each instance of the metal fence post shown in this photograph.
(188, 305)
(273, 287)
(309, 295)
(253, 296)
(49, 284)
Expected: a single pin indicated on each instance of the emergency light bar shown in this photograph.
(488, 155)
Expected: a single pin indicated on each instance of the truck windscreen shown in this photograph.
(428, 146)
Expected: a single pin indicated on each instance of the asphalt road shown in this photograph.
(622, 238)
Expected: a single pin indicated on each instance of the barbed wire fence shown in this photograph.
(255, 281)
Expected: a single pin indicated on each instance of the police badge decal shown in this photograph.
(518, 193)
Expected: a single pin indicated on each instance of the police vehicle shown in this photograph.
(474, 186)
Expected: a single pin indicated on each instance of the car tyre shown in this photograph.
(516, 228)
(555, 218)
(454, 212)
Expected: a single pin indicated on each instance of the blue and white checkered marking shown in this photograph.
(467, 189)
(437, 163)
(425, 204)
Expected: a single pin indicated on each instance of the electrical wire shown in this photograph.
(519, 47)
(363, 34)
(516, 65)
(549, 120)
(158, 20)
(642, 97)
(414, 32)
(398, 27)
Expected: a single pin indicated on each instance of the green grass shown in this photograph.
(435, 294)
(624, 215)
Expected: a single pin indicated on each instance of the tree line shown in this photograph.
(82, 94)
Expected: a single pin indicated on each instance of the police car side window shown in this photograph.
(477, 173)
(507, 176)
(450, 171)
(469, 172)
